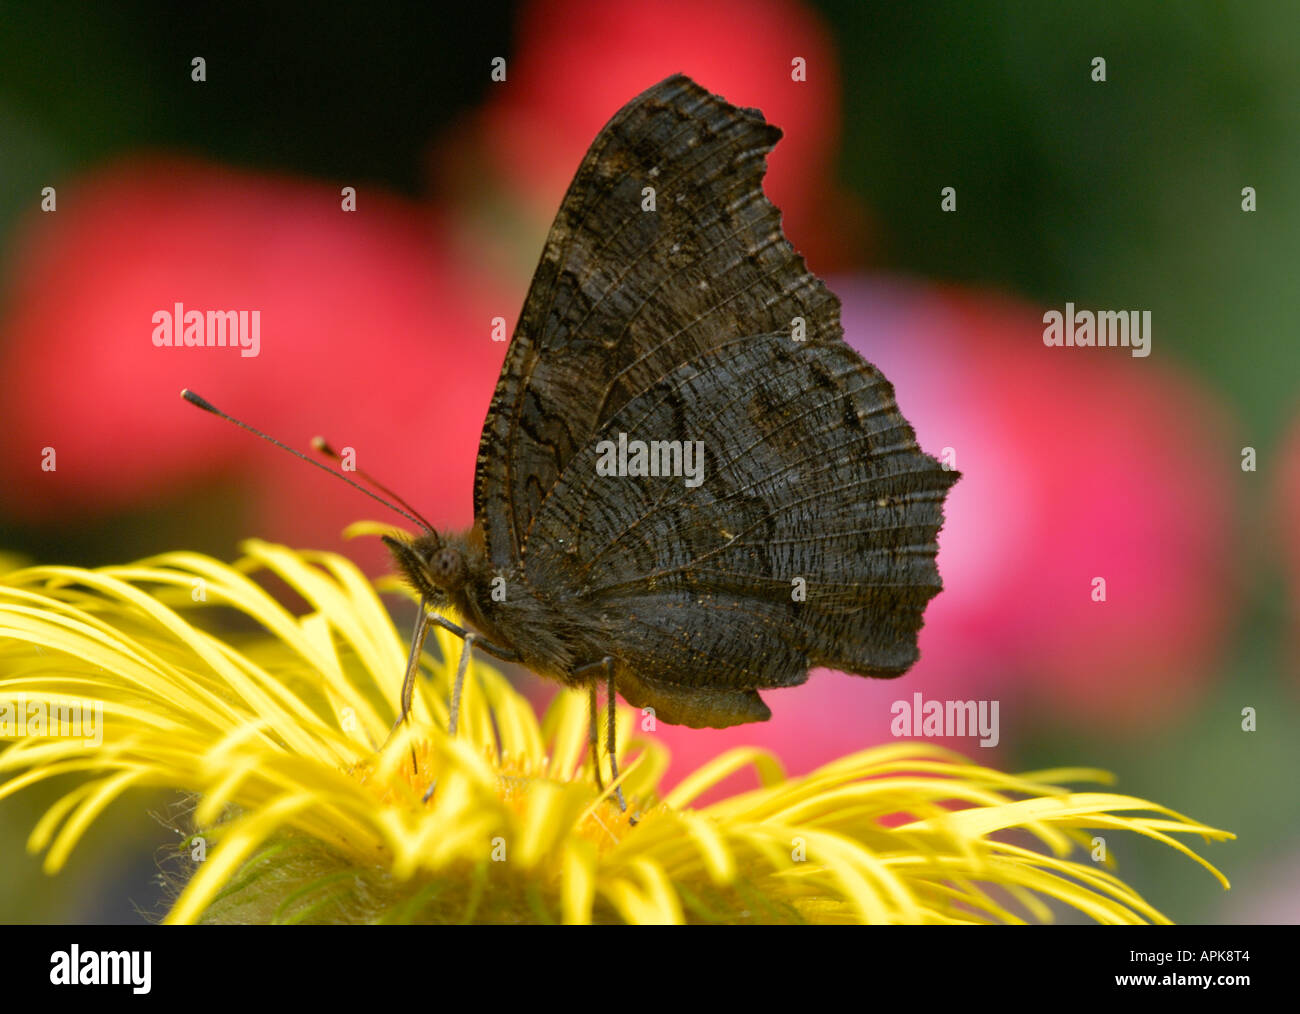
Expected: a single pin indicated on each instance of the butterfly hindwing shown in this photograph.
(807, 536)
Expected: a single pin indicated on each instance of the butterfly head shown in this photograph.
(433, 565)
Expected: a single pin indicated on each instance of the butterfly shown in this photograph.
(689, 488)
(669, 309)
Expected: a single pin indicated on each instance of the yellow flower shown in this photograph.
(274, 722)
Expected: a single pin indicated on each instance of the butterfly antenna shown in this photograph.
(322, 445)
(207, 406)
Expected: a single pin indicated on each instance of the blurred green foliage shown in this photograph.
(1122, 193)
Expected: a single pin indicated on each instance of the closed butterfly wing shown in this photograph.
(667, 308)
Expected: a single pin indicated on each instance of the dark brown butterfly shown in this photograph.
(688, 318)
(669, 310)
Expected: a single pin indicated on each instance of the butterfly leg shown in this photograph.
(505, 654)
(413, 664)
(422, 622)
(593, 733)
(412, 667)
(461, 667)
(459, 685)
(606, 664)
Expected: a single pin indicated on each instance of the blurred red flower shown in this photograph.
(1080, 464)
(370, 331)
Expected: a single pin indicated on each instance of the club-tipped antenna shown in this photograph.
(322, 445)
(207, 406)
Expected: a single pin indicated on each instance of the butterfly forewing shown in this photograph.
(623, 294)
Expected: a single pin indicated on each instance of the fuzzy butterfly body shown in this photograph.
(688, 318)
